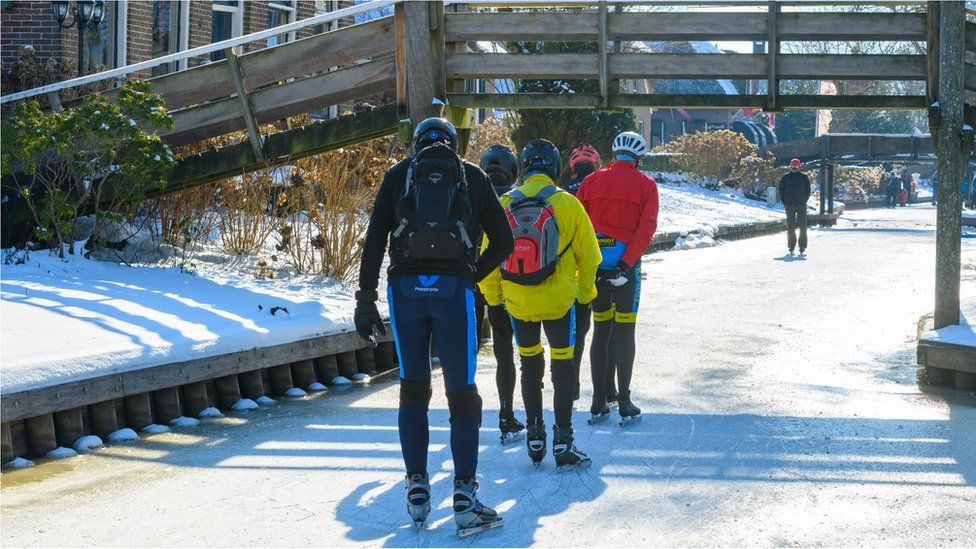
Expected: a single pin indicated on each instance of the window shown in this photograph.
(281, 12)
(326, 6)
(228, 22)
(640, 128)
(105, 46)
(169, 26)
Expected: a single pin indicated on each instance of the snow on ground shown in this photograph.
(963, 333)
(64, 320)
(780, 402)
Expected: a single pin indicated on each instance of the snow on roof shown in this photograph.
(678, 86)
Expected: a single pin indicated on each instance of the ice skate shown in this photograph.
(535, 441)
(470, 515)
(612, 397)
(568, 456)
(512, 429)
(418, 498)
(629, 414)
(599, 411)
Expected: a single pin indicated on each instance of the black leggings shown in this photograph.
(614, 322)
(501, 337)
(561, 334)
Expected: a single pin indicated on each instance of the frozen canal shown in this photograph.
(780, 408)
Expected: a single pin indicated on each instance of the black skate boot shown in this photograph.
(629, 414)
(470, 515)
(599, 411)
(418, 498)
(612, 396)
(535, 441)
(512, 429)
(566, 454)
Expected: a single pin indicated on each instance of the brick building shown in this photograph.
(137, 30)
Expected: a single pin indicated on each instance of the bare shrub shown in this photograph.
(493, 131)
(754, 174)
(242, 211)
(326, 212)
(710, 157)
(858, 182)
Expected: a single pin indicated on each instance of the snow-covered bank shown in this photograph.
(963, 333)
(65, 320)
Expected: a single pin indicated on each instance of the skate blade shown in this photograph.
(574, 466)
(594, 420)
(419, 525)
(626, 422)
(465, 532)
(509, 439)
(537, 464)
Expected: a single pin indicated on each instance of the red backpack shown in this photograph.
(533, 223)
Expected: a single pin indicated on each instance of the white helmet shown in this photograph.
(631, 144)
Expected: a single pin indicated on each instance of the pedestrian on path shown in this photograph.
(892, 188)
(794, 190)
(432, 208)
(622, 204)
(552, 267)
(501, 166)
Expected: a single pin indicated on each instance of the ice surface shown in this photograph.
(123, 435)
(87, 443)
(244, 405)
(360, 377)
(210, 412)
(61, 452)
(184, 421)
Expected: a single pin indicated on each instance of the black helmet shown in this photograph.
(501, 160)
(434, 130)
(541, 155)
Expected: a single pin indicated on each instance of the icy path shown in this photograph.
(776, 414)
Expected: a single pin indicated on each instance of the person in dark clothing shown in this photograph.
(794, 190)
(432, 208)
(583, 161)
(892, 188)
(501, 166)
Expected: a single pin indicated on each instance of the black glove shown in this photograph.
(621, 271)
(367, 317)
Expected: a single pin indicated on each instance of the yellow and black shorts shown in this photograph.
(618, 303)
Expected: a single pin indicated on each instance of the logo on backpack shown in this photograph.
(533, 223)
(434, 206)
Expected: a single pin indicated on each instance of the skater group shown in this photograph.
(541, 258)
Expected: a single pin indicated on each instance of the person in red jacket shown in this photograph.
(622, 204)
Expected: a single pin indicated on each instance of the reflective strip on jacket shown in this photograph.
(575, 275)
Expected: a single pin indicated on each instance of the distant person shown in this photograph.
(935, 187)
(794, 190)
(908, 186)
(892, 188)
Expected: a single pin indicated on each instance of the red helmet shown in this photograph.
(584, 153)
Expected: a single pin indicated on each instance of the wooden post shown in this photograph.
(602, 52)
(104, 421)
(193, 397)
(932, 52)
(435, 16)
(228, 391)
(386, 355)
(400, 57)
(54, 98)
(830, 188)
(18, 438)
(950, 162)
(68, 426)
(366, 361)
(237, 76)
(303, 373)
(772, 52)
(280, 377)
(40, 434)
(6, 445)
(347, 364)
(459, 116)
(251, 384)
(419, 62)
(326, 368)
(166, 405)
(138, 411)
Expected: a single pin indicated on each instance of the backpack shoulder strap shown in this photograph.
(516, 195)
(546, 192)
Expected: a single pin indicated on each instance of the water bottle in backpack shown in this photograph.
(434, 207)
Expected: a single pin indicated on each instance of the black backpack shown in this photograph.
(434, 207)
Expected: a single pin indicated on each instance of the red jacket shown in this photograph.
(622, 204)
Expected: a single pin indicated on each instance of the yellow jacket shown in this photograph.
(575, 275)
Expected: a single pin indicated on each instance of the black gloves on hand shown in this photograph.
(618, 276)
(367, 317)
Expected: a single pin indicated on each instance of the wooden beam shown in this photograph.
(932, 51)
(970, 77)
(970, 36)
(237, 76)
(516, 26)
(678, 65)
(400, 40)
(276, 102)
(419, 62)
(772, 52)
(871, 27)
(699, 101)
(951, 163)
(602, 53)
